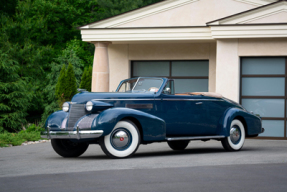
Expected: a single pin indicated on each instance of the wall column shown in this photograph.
(100, 77)
(227, 69)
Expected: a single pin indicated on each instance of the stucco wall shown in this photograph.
(188, 15)
(263, 47)
(275, 18)
(227, 68)
(121, 55)
(228, 60)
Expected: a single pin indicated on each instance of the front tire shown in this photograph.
(122, 142)
(67, 148)
(237, 137)
(178, 145)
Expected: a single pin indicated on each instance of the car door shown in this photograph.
(185, 115)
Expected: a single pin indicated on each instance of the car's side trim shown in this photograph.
(192, 99)
(125, 99)
(140, 106)
(169, 99)
(195, 138)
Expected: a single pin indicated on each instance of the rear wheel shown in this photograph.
(237, 137)
(178, 145)
(122, 142)
(68, 148)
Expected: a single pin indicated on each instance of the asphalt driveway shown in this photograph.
(261, 165)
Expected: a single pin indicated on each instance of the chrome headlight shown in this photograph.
(89, 106)
(66, 107)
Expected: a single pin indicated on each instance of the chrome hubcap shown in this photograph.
(235, 135)
(120, 139)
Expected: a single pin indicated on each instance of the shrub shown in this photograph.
(32, 133)
(70, 88)
(86, 81)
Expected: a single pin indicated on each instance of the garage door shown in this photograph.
(263, 91)
(189, 76)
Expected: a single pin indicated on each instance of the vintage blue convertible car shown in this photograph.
(145, 110)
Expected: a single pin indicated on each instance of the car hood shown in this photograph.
(82, 98)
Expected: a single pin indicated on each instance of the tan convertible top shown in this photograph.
(208, 94)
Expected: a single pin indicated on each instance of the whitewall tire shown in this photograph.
(235, 141)
(123, 141)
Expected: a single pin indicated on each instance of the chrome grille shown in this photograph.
(87, 121)
(76, 112)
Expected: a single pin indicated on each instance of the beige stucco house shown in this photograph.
(234, 47)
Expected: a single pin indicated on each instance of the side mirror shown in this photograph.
(167, 91)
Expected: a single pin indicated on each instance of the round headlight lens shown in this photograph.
(66, 106)
(89, 106)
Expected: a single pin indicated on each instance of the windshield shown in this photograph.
(141, 85)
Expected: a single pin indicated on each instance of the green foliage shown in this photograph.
(18, 138)
(34, 128)
(86, 81)
(70, 83)
(14, 98)
(8, 6)
(32, 133)
(68, 56)
(60, 87)
(83, 50)
(109, 8)
(38, 37)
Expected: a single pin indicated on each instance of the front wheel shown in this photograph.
(68, 148)
(237, 137)
(122, 142)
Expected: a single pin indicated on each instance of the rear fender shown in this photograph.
(252, 122)
(153, 128)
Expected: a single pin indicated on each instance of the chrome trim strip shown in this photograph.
(192, 100)
(125, 99)
(78, 134)
(194, 138)
(158, 99)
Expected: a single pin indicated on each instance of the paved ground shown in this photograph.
(260, 166)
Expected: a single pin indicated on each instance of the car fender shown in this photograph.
(252, 122)
(54, 121)
(153, 128)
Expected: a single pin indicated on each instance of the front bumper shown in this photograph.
(78, 134)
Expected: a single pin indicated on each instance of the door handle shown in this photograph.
(198, 103)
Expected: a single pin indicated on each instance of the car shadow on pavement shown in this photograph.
(196, 151)
(181, 152)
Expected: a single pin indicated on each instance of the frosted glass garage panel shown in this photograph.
(190, 85)
(265, 107)
(261, 86)
(150, 68)
(263, 66)
(273, 128)
(189, 68)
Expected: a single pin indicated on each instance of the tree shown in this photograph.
(70, 86)
(67, 56)
(83, 79)
(86, 81)
(109, 8)
(14, 98)
(89, 79)
(40, 36)
(60, 87)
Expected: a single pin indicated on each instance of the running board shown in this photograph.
(195, 138)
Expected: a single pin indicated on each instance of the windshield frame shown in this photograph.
(138, 78)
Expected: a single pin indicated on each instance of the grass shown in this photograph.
(32, 133)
